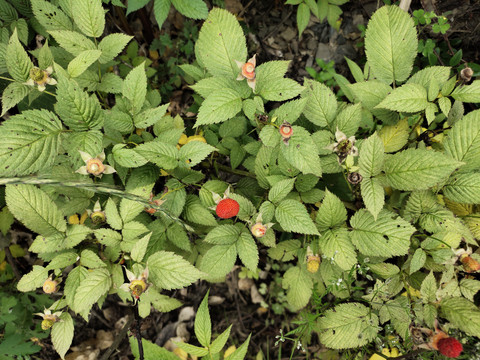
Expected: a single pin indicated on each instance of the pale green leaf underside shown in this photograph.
(336, 244)
(463, 314)
(62, 334)
(463, 188)
(391, 44)
(321, 104)
(89, 16)
(407, 98)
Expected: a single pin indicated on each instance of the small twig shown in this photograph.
(11, 262)
(234, 171)
(118, 339)
(405, 5)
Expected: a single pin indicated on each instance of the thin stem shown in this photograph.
(5, 78)
(138, 335)
(118, 339)
(234, 171)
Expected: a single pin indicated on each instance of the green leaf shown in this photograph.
(112, 45)
(348, 325)
(223, 235)
(63, 260)
(218, 261)
(161, 154)
(170, 271)
(193, 350)
(112, 84)
(293, 216)
(468, 93)
(280, 190)
(394, 137)
(193, 71)
(194, 152)
(151, 351)
(7, 12)
(406, 98)
(195, 212)
(355, 70)
(50, 16)
(194, 9)
(96, 284)
(240, 353)
(113, 216)
(203, 323)
(371, 156)
(128, 158)
(134, 5)
(303, 17)
(62, 334)
(469, 287)
(424, 76)
(289, 111)
(150, 116)
(463, 188)
(463, 314)
(108, 237)
(247, 251)
(89, 16)
(35, 209)
(285, 250)
(270, 136)
(75, 277)
(387, 236)
(177, 235)
(332, 212)
(348, 120)
(298, 284)
(301, 152)
(82, 62)
(140, 183)
(336, 245)
(391, 44)
(418, 260)
(17, 60)
(6, 220)
(373, 195)
(76, 108)
(463, 141)
(280, 89)
(218, 107)
(12, 95)
(321, 105)
(160, 10)
(418, 169)
(33, 280)
(135, 88)
(220, 43)
(220, 341)
(72, 41)
(140, 248)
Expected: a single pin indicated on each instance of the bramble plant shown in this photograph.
(367, 210)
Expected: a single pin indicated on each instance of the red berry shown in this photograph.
(450, 347)
(227, 208)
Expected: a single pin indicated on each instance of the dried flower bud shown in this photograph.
(98, 217)
(466, 74)
(354, 178)
(258, 230)
(469, 263)
(50, 286)
(313, 263)
(286, 130)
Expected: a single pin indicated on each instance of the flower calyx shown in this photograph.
(259, 229)
(354, 178)
(344, 146)
(40, 78)
(247, 71)
(94, 165)
(286, 131)
(97, 215)
(137, 285)
(49, 319)
(155, 202)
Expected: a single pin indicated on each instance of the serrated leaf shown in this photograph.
(74, 279)
(220, 42)
(468, 93)
(463, 188)
(423, 77)
(91, 289)
(128, 158)
(193, 350)
(394, 137)
(62, 334)
(240, 353)
(160, 10)
(469, 287)
(463, 314)
(247, 251)
(371, 156)
(135, 88)
(17, 61)
(12, 95)
(35, 209)
(170, 271)
(293, 216)
(303, 17)
(218, 107)
(150, 116)
(161, 154)
(140, 183)
(270, 136)
(301, 152)
(348, 120)
(386, 236)
(220, 341)
(332, 212)
(336, 245)
(112, 84)
(280, 190)
(391, 44)
(151, 349)
(50, 16)
(373, 195)
(203, 323)
(140, 248)
(62, 260)
(194, 9)
(89, 16)
(463, 141)
(195, 212)
(285, 250)
(33, 280)
(418, 260)
(299, 286)
(134, 5)
(280, 89)
(406, 98)
(218, 261)
(82, 62)
(72, 41)
(418, 169)
(348, 325)
(194, 152)
(321, 103)
(223, 235)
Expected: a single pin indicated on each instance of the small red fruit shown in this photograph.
(469, 264)
(227, 208)
(450, 347)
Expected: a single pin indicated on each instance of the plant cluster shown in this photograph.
(370, 205)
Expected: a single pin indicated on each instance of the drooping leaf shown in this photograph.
(247, 251)
(62, 334)
(203, 323)
(391, 44)
(17, 61)
(135, 88)
(12, 95)
(332, 212)
(194, 9)
(160, 10)
(33, 280)
(218, 261)
(373, 195)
